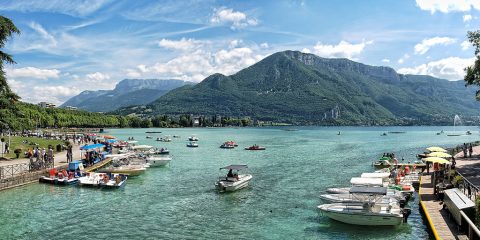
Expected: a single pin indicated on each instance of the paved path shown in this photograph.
(469, 167)
(443, 225)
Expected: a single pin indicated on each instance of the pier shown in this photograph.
(438, 219)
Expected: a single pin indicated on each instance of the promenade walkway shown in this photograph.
(469, 167)
(442, 226)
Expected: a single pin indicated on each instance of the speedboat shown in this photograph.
(103, 180)
(130, 170)
(192, 144)
(149, 137)
(233, 181)
(468, 133)
(162, 151)
(347, 197)
(193, 138)
(155, 161)
(373, 211)
(227, 145)
(255, 147)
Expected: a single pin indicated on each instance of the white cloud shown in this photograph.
(465, 45)
(306, 50)
(446, 6)
(182, 44)
(229, 16)
(235, 43)
(32, 72)
(426, 44)
(43, 33)
(451, 68)
(343, 49)
(403, 58)
(199, 64)
(264, 45)
(41, 93)
(385, 60)
(467, 18)
(97, 77)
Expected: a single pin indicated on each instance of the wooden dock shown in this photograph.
(98, 165)
(438, 220)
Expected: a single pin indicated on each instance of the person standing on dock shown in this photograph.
(464, 150)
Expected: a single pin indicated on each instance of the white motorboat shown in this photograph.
(140, 148)
(156, 161)
(233, 181)
(192, 144)
(393, 194)
(103, 180)
(193, 138)
(372, 212)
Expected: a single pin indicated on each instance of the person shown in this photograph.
(230, 173)
(470, 150)
(7, 150)
(464, 151)
(453, 162)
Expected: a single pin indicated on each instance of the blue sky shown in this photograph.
(69, 46)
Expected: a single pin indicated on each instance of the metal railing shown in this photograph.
(472, 231)
(468, 188)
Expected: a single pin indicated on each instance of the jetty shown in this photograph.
(438, 219)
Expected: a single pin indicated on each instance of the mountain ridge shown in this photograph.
(303, 88)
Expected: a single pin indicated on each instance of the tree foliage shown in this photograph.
(472, 76)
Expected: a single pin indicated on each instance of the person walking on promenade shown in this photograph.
(7, 149)
(464, 150)
(470, 150)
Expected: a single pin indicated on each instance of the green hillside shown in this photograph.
(306, 89)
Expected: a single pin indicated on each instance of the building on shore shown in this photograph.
(46, 105)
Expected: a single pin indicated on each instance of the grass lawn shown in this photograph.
(17, 142)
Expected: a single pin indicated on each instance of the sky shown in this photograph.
(68, 46)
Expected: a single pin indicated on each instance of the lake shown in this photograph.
(180, 202)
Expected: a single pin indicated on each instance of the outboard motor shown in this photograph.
(406, 212)
(402, 202)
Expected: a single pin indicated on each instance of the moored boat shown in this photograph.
(60, 178)
(192, 144)
(155, 161)
(371, 212)
(193, 138)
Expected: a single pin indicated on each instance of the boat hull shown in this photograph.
(157, 162)
(226, 186)
(364, 219)
(56, 181)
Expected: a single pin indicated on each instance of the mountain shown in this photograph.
(303, 88)
(126, 93)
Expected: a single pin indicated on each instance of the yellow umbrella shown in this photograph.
(436, 149)
(436, 160)
(439, 154)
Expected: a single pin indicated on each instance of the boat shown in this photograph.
(396, 196)
(176, 136)
(161, 151)
(383, 162)
(131, 170)
(255, 147)
(140, 148)
(468, 133)
(227, 145)
(384, 134)
(60, 178)
(440, 133)
(155, 161)
(374, 210)
(149, 137)
(233, 181)
(396, 132)
(192, 144)
(164, 139)
(103, 180)
(152, 132)
(193, 138)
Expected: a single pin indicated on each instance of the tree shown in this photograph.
(473, 72)
(7, 29)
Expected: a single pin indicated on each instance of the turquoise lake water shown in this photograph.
(179, 201)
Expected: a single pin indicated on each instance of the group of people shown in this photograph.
(467, 150)
(43, 156)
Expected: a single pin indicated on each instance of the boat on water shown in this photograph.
(176, 136)
(192, 144)
(193, 138)
(233, 181)
(60, 178)
(156, 161)
(384, 134)
(131, 170)
(255, 147)
(103, 180)
(149, 137)
(396, 132)
(152, 132)
(161, 151)
(440, 133)
(373, 211)
(228, 145)
(468, 133)
(164, 139)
